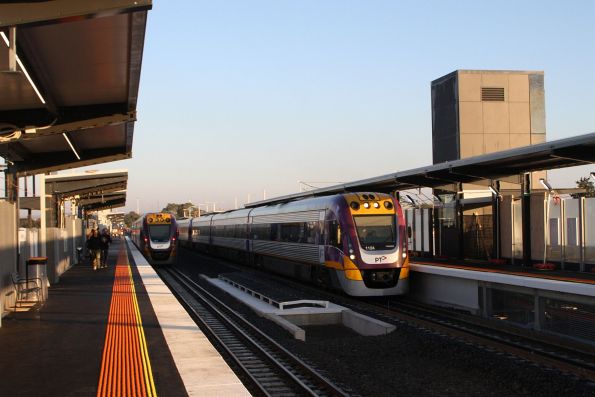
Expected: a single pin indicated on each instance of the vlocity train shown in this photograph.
(355, 242)
(156, 235)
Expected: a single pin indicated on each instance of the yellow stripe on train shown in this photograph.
(351, 271)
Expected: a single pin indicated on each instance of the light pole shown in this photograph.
(214, 205)
(199, 205)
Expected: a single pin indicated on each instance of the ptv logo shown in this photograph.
(380, 259)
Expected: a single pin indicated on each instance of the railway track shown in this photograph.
(272, 369)
(543, 351)
(522, 345)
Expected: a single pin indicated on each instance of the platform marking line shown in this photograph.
(125, 365)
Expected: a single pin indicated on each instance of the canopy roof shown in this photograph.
(71, 99)
(508, 166)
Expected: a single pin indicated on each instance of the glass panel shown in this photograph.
(292, 232)
(554, 233)
(376, 232)
(571, 232)
(334, 234)
(260, 231)
(159, 232)
(310, 232)
(448, 233)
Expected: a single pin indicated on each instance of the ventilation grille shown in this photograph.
(492, 94)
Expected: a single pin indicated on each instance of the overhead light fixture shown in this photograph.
(71, 146)
(24, 70)
(494, 191)
(545, 184)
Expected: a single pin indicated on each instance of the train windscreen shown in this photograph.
(376, 232)
(159, 233)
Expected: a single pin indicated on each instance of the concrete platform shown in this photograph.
(201, 367)
(470, 288)
(66, 347)
(267, 300)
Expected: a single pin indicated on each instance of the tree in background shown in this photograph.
(130, 217)
(587, 184)
(176, 209)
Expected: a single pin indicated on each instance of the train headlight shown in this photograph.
(376, 205)
(366, 205)
(352, 257)
(388, 205)
(404, 255)
(354, 205)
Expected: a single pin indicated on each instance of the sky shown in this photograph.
(239, 98)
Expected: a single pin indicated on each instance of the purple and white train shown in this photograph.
(355, 242)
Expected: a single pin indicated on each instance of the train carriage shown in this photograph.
(355, 242)
(156, 236)
(184, 231)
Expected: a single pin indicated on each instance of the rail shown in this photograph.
(271, 368)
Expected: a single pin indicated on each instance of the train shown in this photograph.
(156, 236)
(353, 242)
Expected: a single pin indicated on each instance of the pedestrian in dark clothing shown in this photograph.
(94, 248)
(106, 240)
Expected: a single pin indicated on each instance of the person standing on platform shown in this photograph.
(94, 248)
(106, 240)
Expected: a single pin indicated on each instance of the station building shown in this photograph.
(475, 113)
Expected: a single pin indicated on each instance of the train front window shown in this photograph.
(159, 233)
(376, 232)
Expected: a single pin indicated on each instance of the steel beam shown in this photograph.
(61, 11)
(54, 161)
(114, 119)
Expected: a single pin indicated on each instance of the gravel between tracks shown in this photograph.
(407, 362)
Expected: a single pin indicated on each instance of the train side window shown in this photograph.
(260, 231)
(291, 232)
(310, 232)
(334, 230)
(274, 232)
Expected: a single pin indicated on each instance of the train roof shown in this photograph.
(296, 205)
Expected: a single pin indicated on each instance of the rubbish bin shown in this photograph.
(38, 265)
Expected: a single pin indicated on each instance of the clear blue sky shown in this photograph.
(241, 96)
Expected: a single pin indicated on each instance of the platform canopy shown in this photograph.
(69, 81)
(116, 217)
(104, 201)
(508, 166)
(91, 190)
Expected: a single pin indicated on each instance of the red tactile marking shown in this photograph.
(125, 366)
